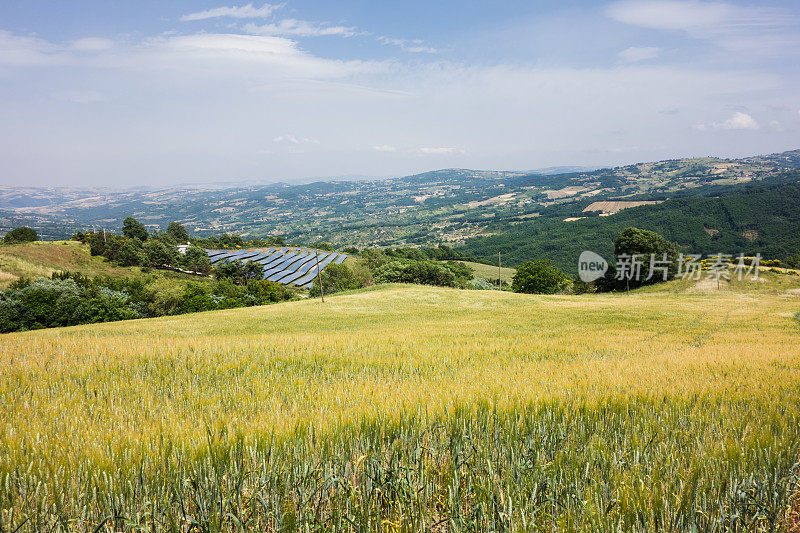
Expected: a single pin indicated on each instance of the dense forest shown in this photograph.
(760, 218)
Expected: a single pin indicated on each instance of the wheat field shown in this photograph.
(410, 408)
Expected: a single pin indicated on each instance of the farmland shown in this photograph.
(413, 408)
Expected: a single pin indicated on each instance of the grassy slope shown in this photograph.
(41, 259)
(628, 396)
(489, 271)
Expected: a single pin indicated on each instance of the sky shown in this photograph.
(153, 93)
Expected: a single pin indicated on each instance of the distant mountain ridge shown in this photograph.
(448, 206)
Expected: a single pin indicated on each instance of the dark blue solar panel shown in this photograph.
(272, 259)
(290, 269)
(292, 276)
(308, 280)
(282, 265)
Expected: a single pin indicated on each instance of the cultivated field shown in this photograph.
(410, 408)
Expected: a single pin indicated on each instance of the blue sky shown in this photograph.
(162, 93)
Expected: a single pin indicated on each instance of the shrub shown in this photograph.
(21, 234)
(538, 277)
(196, 259)
(157, 253)
(336, 278)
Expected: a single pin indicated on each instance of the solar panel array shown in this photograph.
(289, 266)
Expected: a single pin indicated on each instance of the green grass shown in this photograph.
(409, 408)
(489, 271)
(42, 258)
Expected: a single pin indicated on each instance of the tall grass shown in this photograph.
(410, 409)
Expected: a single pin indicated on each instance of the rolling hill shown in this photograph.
(443, 206)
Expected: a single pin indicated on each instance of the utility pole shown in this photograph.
(499, 275)
(319, 277)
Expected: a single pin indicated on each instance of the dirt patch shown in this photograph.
(750, 234)
(614, 207)
(711, 231)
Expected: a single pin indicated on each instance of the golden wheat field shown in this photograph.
(409, 408)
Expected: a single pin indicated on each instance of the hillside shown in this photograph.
(762, 218)
(42, 259)
(411, 405)
(443, 206)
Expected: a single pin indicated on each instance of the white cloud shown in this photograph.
(762, 30)
(776, 125)
(669, 15)
(241, 12)
(441, 151)
(300, 28)
(20, 51)
(92, 44)
(739, 121)
(385, 148)
(292, 139)
(416, 46)
(635, 54)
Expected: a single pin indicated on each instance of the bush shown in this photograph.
(22, 234)
(420, 272)
(158, 254)
(538, 277)
(130, 253)
(336, 278)
(196, 259)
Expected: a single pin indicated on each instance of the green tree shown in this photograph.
(238, 272)
(538, 277)
(178, 232)
(196, 259)
(21, 234)
(336, 278)
(130, 253)
(640, 245)
(157, 253)
(132, 228)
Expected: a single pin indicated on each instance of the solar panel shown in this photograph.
(272, 259)
(292, 276)
(341, 259)
(249, 255)
(223, 257)
(307, 261)
(308, 280)
(278, 265)
(285, 263)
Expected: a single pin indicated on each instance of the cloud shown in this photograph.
(385, 148)
(669, 15)
(415, 46)
(292, 139)
(739, 121)
(300, 28)
(776, 125)
(762, 30)
(441, 151)
(92, 44)
(240, 12)
(635, 54)
(21, 51)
